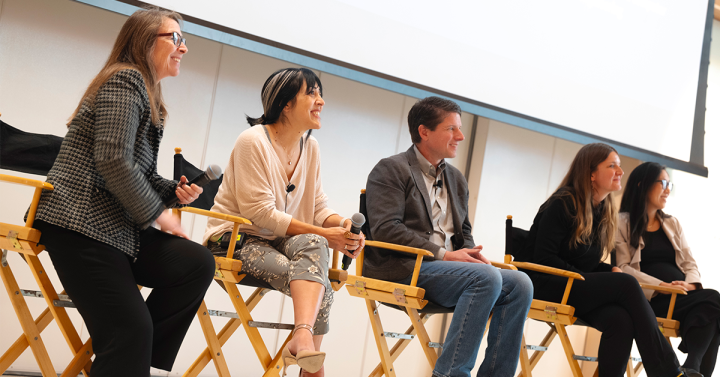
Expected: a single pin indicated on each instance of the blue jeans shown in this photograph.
(476, 290)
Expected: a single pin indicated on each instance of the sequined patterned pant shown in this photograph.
(284, 259)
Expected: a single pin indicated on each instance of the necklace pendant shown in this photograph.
(289, 162)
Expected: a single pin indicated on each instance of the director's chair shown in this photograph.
(406, 297)
(32, 153)
(559, 315)
(669, 327)
(228, 275)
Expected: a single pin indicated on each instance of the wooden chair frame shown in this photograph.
(409, 297)
(227, 273)
(560, 315)
(668, 326)
(25, 240)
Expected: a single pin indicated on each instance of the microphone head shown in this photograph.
(213, 171)
(358, 219)
(290, 187)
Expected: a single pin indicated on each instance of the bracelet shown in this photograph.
(342, 222)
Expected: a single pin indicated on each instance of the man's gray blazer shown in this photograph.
(398, 206)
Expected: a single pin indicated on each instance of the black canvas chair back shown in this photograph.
(206, 200)
(27, 152)
(363, 209)
(183, 167)
(515, 238)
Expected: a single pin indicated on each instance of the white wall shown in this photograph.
(51, 49)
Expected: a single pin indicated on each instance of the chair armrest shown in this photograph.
(217, 215)
(26, 182)
(228, 264)
(392, 246)
(503, 266)
(420, 253)
(662, 289)
(547, 270)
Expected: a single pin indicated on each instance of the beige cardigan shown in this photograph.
(628, 258)
(254, 188)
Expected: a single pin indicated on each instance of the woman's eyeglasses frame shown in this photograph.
(666, 184)
(178, 39)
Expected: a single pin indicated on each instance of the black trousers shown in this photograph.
(130, 334)
(613, 303)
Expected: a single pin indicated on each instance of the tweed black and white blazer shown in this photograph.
(105, 177)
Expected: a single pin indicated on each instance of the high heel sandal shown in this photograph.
(310, 361)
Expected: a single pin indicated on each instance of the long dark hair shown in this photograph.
(133, 49)
(282, 87)
(577, 186)
(634, 200)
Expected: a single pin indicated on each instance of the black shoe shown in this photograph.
(690, 372)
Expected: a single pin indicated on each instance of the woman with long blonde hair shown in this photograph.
(574, 230)
(107, 192)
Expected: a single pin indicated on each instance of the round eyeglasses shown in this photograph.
(176, 38)
(666, 184)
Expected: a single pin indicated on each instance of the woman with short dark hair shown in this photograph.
(107, 192)
(575, 230)
(651, 246)
(273, 180)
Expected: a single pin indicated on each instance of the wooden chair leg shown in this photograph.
(630, 369)
(399, 346)
(535, 357)
(21, 344)
(423, 337)
(380, 341)
(59, 313)
(634, 371)
(206, 356)
(524, 360)
(639, 368)
(567, 347)
(199, 364)
(81, 359)
(30, 328)
(273, 370)
(212, 341)
(252, 332)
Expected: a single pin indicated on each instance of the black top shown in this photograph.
(658, 257)
(549, 240)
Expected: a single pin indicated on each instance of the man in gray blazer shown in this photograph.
(417, 199)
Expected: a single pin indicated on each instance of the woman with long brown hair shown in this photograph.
(96, 222)
(574, 230)
(645, 230)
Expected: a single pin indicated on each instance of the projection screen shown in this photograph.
(632, 72)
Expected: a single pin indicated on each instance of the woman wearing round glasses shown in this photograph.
(107, 192)
(666, 260)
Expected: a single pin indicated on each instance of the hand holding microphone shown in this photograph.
(358, 220)
(187, 192)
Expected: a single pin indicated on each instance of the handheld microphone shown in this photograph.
(358, 220)
(212, 173)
